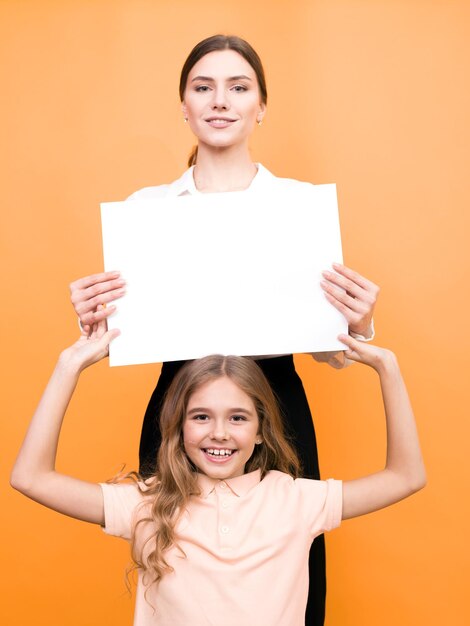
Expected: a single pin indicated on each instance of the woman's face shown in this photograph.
(222, 99)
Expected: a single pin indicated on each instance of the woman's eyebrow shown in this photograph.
(209, 79)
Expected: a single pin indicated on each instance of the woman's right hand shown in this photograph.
(91, 295)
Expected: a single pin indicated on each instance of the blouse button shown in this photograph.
(224, 530)
(222, 485)
(225, 504)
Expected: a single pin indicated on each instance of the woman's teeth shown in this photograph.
(219, 452)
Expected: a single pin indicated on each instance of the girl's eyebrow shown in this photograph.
(200, 409)
(209, 79)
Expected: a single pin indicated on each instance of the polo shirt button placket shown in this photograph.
(224, 517)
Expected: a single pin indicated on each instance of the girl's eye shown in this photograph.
(201, 417)
(238, 418)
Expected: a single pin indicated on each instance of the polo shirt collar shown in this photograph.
(185, 185)
(239, 486)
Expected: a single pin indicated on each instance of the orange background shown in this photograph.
(371, 95)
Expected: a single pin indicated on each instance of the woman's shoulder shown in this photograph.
(268, 178)
(147, 193)
(182, 185)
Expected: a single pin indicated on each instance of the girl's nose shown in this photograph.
(219, 432)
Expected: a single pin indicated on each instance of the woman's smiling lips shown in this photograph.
(220, 122)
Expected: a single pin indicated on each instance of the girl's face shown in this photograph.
(222, 99)
(220, 429)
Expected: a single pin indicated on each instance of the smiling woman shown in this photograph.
(223, 96)
(222, 101)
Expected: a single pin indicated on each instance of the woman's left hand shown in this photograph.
(353, 295)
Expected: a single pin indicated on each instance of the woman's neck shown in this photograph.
(224, 169)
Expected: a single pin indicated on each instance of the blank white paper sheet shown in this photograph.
(227, 273)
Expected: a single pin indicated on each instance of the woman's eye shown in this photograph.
(239, 88)
(202, 88)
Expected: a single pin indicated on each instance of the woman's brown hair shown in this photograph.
(176, 478)
(213, 44)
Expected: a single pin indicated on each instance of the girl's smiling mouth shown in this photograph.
(218, 455)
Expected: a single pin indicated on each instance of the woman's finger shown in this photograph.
(93, 279)
(89, 318)
(356, 278)
(342, 297)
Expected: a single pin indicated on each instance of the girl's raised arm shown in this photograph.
(404, 471)
(34, 472)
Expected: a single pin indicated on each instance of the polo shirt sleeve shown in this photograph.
(322, 503)
(120, 504)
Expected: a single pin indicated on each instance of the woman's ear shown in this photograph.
(258, 440)
(261, 113)
(184, 111)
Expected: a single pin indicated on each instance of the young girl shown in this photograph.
(224, 96)
(221, 533)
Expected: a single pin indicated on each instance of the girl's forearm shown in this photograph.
(404, 472)
(403, 450)
(39, 449)
(34, 473)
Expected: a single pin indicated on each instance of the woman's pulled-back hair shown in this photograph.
(176, 478)
(223, 42)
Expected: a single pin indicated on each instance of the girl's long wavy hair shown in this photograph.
(213, 44)
(176, 478)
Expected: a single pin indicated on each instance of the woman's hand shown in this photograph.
(353, 295)
(91, 347)
(87, 294)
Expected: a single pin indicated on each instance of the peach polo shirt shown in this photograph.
(246, 543)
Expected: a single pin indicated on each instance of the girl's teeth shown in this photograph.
(217, 452)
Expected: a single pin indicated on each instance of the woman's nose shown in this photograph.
(220, 100)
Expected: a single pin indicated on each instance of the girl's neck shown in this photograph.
(223, 169)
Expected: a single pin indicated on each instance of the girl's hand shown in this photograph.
(366, 353)
(87, 294)
(353, 295)
(91, 347)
